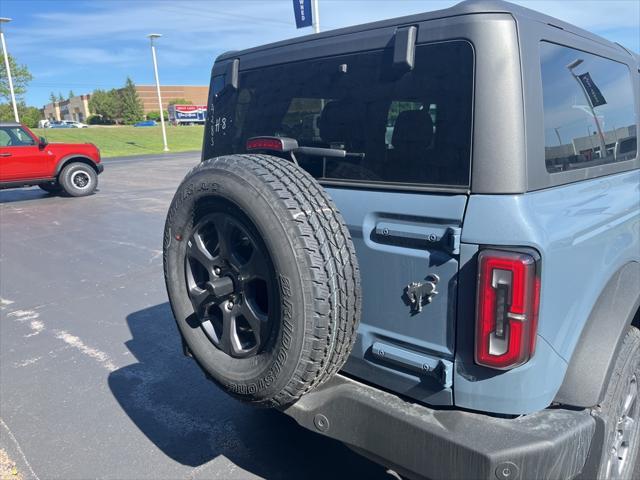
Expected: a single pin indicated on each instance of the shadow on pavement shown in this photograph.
(193, 422)
(12, 195)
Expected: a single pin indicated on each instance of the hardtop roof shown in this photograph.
(467, 7)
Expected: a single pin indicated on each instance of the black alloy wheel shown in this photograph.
(230, 283)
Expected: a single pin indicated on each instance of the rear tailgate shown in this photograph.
(403, 239)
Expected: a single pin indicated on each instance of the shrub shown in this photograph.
(156, 116)
(99, 120)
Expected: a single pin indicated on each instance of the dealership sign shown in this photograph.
(187, 113)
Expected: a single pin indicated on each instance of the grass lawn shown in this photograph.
(122, 141)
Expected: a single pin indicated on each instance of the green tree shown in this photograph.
(180, 101)
(130, 107)
(28, 115)
(105, 104)
(53, 98)
(71, 94)
(19, 74)
(60, 97)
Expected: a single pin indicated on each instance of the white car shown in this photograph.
(75, 124)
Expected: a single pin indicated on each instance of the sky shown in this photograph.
(83, 45)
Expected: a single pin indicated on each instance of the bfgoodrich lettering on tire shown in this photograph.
(262, 277)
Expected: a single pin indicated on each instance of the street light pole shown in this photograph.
(603, 145)
(8, 68)
(316, 16)
(153, 36)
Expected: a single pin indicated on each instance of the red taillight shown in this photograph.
(507, 309)
(265, 143)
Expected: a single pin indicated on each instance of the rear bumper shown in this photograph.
(420, 442)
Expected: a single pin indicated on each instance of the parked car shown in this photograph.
(146, 123)
(27, 160)
(74, 124)
(444, 299)
(57, 124)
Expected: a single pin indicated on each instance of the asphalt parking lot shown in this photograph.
(92, 380)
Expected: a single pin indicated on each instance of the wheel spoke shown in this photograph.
(631, 399)
(197, 251)
(224, 229)
(207, 325)
(229, 342)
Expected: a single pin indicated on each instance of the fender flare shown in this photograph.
(83, 158)
(593, 359)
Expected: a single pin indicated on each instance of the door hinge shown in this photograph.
(453, 239)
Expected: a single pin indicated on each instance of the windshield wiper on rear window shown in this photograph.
(327, 152)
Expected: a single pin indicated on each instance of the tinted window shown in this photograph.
(589, 116)
(217, 84)
(397, 127)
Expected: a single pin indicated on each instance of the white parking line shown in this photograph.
(101, 357)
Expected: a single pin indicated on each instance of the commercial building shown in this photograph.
(195, 94)
(77, 108)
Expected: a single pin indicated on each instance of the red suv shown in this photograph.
(26, 160)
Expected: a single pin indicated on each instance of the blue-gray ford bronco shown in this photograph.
(421, 237)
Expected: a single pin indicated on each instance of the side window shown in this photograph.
(5, 139)
(589, 116)
(15, 137)
(217, 84)
(23, 137)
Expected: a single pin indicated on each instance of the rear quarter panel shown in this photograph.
(585, 232)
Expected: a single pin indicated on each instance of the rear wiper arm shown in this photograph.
(327, 152)
(290, 145)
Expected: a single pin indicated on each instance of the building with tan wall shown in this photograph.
(197, 95)
(77, 108)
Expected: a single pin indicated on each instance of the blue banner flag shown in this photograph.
(302, 10)
(591, 89)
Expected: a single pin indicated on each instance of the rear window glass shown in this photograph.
(398, 127)
(589, 116)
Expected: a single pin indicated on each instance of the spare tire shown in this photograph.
(262, 277)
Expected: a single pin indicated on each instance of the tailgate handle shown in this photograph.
(412, 235)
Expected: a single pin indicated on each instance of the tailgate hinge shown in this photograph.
(453, 239)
